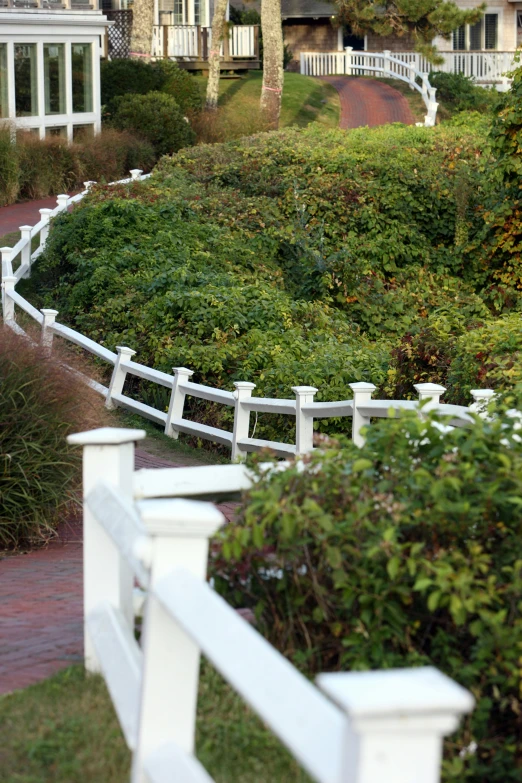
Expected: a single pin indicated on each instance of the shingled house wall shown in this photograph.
(309, 35)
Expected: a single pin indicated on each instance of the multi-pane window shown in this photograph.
(54, 78)
(4, 109)
(81, 57)
(200, 16)
(178, 12)
(474, 37)
(26, 94)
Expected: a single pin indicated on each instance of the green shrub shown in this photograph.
(112, 154)
(126, 76)
(406, 552)
(460, 93)
(155, 117)
(9, 171)
(41, 403)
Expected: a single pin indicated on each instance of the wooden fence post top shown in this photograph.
(124, 351)
(362, 386)
(429, 388)
(395, 694)
(180, 518)
(302, 390)
(482, 394)
(244, 385)
(182, 371)
(106, 436)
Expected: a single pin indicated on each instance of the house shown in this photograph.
(50, 66)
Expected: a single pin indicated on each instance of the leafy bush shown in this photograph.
(33, 168)
(125, 76)
(460, 93)
(42, 402)
(155, 117)
(406, 552)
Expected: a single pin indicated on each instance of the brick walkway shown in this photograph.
(369, 102)
(41, 603)
(26, 214)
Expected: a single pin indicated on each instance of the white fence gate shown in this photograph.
(370, 727)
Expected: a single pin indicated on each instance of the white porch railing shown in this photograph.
(355, 63)
(16, 264)
(357, 727)
(194, 41)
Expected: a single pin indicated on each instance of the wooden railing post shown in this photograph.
(226, 46)
(362, 392)
(386, 64)
(7, 274)
(135, 174)
(396, 722)
(348, 60)
(165, 41)
(118, 374)
(45, 215)
(47, 333)
(243, 392)
(62, 200)
(177, 400)
(304, 425)
(25, 255)
(8, 306)
(180, 531)
(256, 44)
(481, 400)
(108, 455)
(431, 392)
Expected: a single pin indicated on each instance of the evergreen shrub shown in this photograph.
(406, 552)
(156, 118)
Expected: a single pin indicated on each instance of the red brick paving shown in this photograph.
(26, 214)
(369, 102)
(41, 603)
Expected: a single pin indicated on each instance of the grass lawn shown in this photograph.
(64, 730)
(305, 99)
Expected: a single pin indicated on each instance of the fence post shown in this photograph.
(431, 392)
(177, 400)
(62, 200)
(362, 392)
(136, 174)
(481, 399)
(386, 63)
(304, 425)
(180, 531)
(118, 374)
(47, 333)
(243, 392)
(25, 255)
(8, 306)
(7, 268)
(302, 64)
(348, 60)
(396, 722)
(45, 215)
(108, 455)
(88, 185)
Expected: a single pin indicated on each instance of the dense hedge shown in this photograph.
(156, 118)
(311, 256)
(406, 552)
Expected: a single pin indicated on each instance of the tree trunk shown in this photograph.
(272, 31)
(214, 57)
(142, 24)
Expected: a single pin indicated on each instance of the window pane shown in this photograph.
(459, 38)
(61, 132)
(82, 77)
(26, 97)
(4, 111)
(491, 31)
(475, 36)
(54, 75)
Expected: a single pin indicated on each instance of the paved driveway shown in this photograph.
(369, 102)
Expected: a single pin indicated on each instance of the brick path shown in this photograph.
(41, 603)
(369, 102)
(26, 214)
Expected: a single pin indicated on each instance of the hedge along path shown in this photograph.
(41, 599)
(369, 102)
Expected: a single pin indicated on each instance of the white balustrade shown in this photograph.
(361, 727)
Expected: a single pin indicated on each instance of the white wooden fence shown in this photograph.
(16, 264)
(488, 67)
(355, 63)
(194, 41)
(358, 727)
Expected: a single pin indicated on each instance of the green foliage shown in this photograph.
(32, 168)
(459, 93)
(155, 117)
(406, 552)
(133, 76)
(41, 404)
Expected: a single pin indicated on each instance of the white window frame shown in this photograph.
(488, 12)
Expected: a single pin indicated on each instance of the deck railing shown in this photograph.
(488, 67)
(16, 264)
(349, 728)
(355, 63)
(194, 42)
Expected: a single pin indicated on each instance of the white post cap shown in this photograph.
(24, 228)
(362, 386)
(482, 394)
(106, 436)
(300, 390)
(123, 350)
(429, 389)
(136, 173)
(180, 518)
(47, 312)
(244, 385)
(182, 371)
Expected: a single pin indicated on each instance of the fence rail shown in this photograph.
(488, 67)
(240, 440)
(355, 63)
(350, 727)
